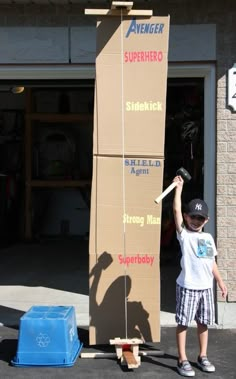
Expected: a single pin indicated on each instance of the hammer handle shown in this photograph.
(164, 193)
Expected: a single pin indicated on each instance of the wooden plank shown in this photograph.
(122, 4)
(126, 341)
(117, 12)
(130, 359)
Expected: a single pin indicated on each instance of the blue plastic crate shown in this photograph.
(48, 337)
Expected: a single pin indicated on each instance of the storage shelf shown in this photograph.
(32, 184)
(58, 183)
(4, 139)
(57, 117)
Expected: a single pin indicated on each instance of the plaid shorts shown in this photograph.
(195, 305)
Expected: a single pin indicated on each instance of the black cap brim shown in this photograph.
(197, 214)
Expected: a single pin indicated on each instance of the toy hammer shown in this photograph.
(186, 177)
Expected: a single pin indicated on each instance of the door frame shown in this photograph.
(175, 70)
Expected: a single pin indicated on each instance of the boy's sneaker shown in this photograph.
(185, 369)
(205, 364)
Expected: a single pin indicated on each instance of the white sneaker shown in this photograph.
(185, 369)
(205, 364)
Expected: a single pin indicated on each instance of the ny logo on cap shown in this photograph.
(198, 207)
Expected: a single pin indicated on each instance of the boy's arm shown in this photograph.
(219, 280)
(177, 211)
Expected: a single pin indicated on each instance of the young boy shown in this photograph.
(194, 285)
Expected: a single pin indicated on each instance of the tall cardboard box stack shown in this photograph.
(129, 130)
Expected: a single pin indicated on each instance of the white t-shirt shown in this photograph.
(198, 256)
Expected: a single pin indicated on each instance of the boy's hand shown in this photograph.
(179, 181)
(223, 289)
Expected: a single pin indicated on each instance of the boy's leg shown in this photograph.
(181, 333)
(205, 317)
(185, 309)
(202, 331)
(186, 305)
(184, 368)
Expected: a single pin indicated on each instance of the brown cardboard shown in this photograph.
(123, 207)
(131, 76)
(133, 131)
(125, 232)
(149, 30)
(129, 129)
(124, 299)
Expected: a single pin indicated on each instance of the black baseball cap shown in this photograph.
(197, 207)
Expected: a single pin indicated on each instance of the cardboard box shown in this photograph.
(125, 241)
(131, 81)
(138, 129)
(124, 298)
(122, 205)
(141, 33)
(129, 130)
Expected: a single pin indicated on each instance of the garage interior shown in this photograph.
(46, 144)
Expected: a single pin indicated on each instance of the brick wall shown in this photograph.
(221, 13)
